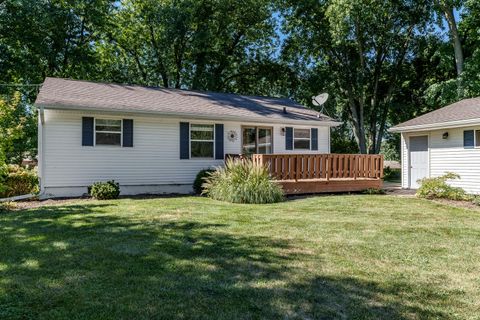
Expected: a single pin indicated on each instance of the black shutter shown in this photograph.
(87, 131)
(468, 139)
(314, 136)
(127, 132)
(288, 138)
(219, 155)
(184, 140)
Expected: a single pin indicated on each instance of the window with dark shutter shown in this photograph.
(468, 139)
(314, 135)
(288, 138)
(127, 132)
(184, 140)
(87, 131)
(219, 153)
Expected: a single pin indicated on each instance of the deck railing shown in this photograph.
(322, 166)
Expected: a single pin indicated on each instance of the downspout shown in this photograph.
(41, 156)
(41, 162)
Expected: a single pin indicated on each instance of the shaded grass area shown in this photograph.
(355, 257)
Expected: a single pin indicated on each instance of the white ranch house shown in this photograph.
(155, 140)
(444, 140)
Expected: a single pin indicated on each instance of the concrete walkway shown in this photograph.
(395, 188)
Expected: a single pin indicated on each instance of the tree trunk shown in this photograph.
(358, 125)
(455, 37)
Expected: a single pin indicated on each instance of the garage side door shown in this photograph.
(418, 159)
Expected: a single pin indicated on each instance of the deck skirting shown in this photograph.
(292, 187)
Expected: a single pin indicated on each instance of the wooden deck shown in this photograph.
(317, 173)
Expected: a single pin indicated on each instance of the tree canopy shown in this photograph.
(382, 62)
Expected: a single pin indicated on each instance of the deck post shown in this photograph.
(327, 167)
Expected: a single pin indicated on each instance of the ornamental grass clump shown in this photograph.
(242, 182)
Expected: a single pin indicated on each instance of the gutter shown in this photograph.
(195, 116)
(438, 125)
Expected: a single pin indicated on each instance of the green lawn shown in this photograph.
(344, 257)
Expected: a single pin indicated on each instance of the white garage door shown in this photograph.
(418, 159)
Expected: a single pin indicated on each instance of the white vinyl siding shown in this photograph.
(154, 159)
(448, 155)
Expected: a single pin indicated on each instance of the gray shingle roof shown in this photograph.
(85, 95)
(466, 109)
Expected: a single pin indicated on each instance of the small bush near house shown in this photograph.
(390, 174)
(431, 188)
(374, 191)
(7, 207)
(17, 180)
(200, 180)
(105, 190)
(242, 182)
(476, 200)
(3, 173)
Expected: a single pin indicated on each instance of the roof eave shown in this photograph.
(433, 126)
(325, 123)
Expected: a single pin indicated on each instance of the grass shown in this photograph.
(355, 257)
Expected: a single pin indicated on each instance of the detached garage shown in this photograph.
(444, 140)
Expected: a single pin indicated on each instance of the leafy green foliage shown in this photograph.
(7, 206)
(432, 188)
(476, 200)
(372, 191)
(104, 190)
(17, 129)
(360, 48)
(200, 180)
(242, 182)
(390, 174)
(3, 174)
(18, 181)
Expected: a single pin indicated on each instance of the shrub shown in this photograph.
(476, 200)
(200, 179)
(374, 191)
(242, 182)
(3, 175)
(7, 206)
(432, 188)
(390, 174)
(18, 181)
(104, 190)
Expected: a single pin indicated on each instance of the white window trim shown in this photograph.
(309, 139)
(257, 129)
(107, 145)
(475, 138)
(196, 140)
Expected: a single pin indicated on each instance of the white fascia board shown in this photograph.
(441, 125)
(196, 116)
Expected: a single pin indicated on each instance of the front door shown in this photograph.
(418, 160)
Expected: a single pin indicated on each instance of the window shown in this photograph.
(471, 139)
(202, 140)
(301, 139)
(257, 140)
(108, 132)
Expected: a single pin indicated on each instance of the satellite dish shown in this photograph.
(320, 99)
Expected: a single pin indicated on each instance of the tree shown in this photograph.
(206, 45)
(447, 7)
(17, 129)
(41, 38)
(364, 46)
